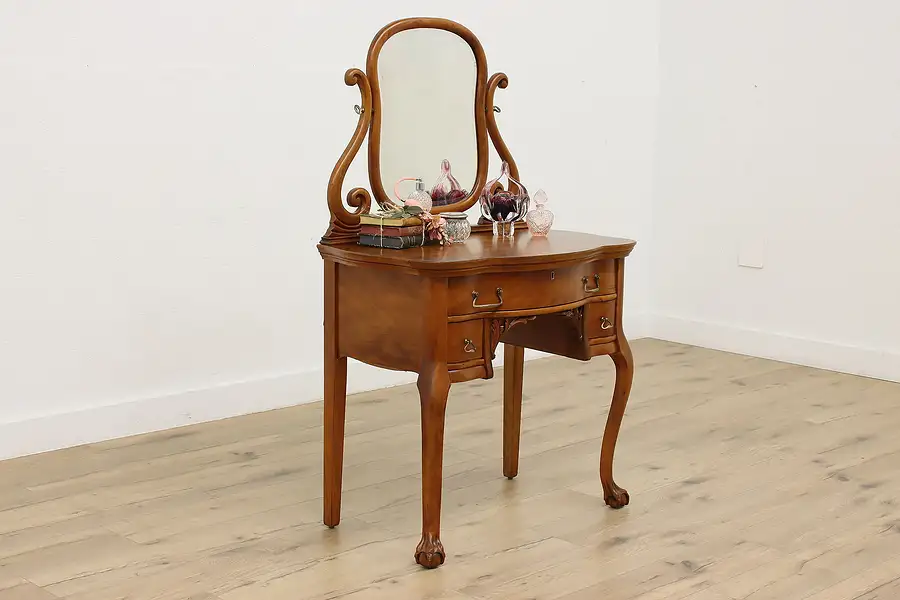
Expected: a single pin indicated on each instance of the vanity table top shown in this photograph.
(485, 252)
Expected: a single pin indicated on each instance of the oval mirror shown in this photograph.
(428, 115)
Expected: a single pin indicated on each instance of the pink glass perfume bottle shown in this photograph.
(540, 219)
(419, 197)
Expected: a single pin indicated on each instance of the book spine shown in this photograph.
(379, 222)
(390, 230)
(393, 242)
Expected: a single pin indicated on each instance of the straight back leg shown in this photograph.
(513, 372)
(335, 404)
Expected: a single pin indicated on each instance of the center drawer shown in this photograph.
(523, 290)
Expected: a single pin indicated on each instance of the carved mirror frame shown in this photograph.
(344, 226)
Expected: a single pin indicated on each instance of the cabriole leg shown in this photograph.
(434, 388)
(615, 496)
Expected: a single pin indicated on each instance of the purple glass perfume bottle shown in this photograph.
(503, 207)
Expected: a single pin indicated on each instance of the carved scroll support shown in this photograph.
(499, 80)
(500, 326)
(344, 222)
(577, 315)
(344, 225)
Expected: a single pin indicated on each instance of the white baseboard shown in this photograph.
(636, 325)
(868, 362)
(99, 423)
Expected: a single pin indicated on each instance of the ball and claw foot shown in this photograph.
(430, 551)
(615, 496)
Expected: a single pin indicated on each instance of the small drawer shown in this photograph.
(600, 319)
(465, 341)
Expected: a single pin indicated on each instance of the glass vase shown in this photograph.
(447, 189)
(503, 207)
(504, 229)
(458, 228)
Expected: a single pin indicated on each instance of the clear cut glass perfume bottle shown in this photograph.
(540, 218)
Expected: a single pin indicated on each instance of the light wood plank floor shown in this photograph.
(748, 478)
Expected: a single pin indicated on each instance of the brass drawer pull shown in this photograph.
(605, 323)
(469, 346)
(584, 280)
(495, 305)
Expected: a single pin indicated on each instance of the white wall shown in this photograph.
(779, 130)
(162, 176)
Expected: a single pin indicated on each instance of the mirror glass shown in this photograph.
(427, 80)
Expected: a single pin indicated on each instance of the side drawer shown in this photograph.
(600, 319)
(465, 341)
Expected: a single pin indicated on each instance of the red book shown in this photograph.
(390, 231)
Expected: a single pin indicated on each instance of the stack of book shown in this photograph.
(397, 233)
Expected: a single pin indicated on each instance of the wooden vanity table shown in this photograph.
(454, 304)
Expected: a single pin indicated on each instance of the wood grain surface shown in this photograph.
(484, 252)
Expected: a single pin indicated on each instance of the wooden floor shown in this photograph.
(748, 479)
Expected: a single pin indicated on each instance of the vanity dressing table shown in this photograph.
(441, 310)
